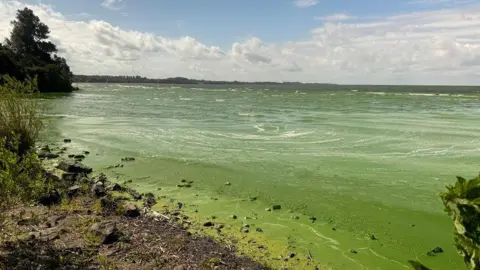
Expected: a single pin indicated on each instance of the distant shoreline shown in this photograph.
(437, 89)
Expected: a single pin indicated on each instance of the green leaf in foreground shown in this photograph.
(462, 202)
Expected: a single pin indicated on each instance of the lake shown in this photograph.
(367, 165)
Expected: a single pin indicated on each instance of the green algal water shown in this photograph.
(367, 166)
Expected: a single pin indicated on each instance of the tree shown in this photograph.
(28, 54)
(29, 36)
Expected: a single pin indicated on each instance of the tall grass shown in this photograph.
(21, 173)
(19, 113)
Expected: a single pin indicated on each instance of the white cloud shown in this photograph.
(434, 47)
(306, 3)
(337, 17)
(113, 4)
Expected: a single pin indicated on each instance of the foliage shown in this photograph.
(19, 113)
(21, 173)
(462, 203)
(28, 53)
(21, 177)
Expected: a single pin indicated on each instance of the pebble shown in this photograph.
(208, 224)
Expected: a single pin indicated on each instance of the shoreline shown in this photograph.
(182, 216)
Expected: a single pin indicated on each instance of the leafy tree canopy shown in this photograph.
(29, 53)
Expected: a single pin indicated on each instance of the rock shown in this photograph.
(47, 155)
(259, 230)
(108, 203)
(130, 210)
(73, 167)
(102, 178)
(63, 149)
(117, 187)
(353, 251)
(149, 200)
(69, 177)
(245, 230)
(71, 156)
(179, 205)
(127, 159)
(208, 224)
(246, 226)
(86, 152)
(107, 231)
(67, 140)
(50, 198)
(228, 184)
(313, 219)
(50, 177)
(372, 237)
(435, 251)
(268, 209)
(252, 199)
(334, 229)
(49, 234)
(98, 189)
(233, 216)
(183, 181)
(45, 148)
(79, 156)
(276, 207)
(137, 197)
(295, 217)
(291, 255)
(52, 221)
(73, 191)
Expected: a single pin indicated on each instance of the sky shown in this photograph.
(325, 41)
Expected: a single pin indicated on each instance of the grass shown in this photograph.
(19, 113)
(21, 173)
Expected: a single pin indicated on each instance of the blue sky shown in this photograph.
(352, 41)
(223, 22)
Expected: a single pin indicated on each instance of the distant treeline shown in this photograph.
(139, 79)
(281, 85)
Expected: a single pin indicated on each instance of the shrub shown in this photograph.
(21, 174)
(462, 203)
(21, 177)
(19, 114)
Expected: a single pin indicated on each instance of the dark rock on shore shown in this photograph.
(86, 152)
(149, 200)
(435, 251)
(74, 167)
(67, 140)
(313, 219)
(208, 224)
(71, 156)
(130, 210)
(127, 159)
(73, 191)
(50, 198)
(276, 207)
(98, 189)
(117, 187)
(79, 156)
(47, 155)
(107, 231)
